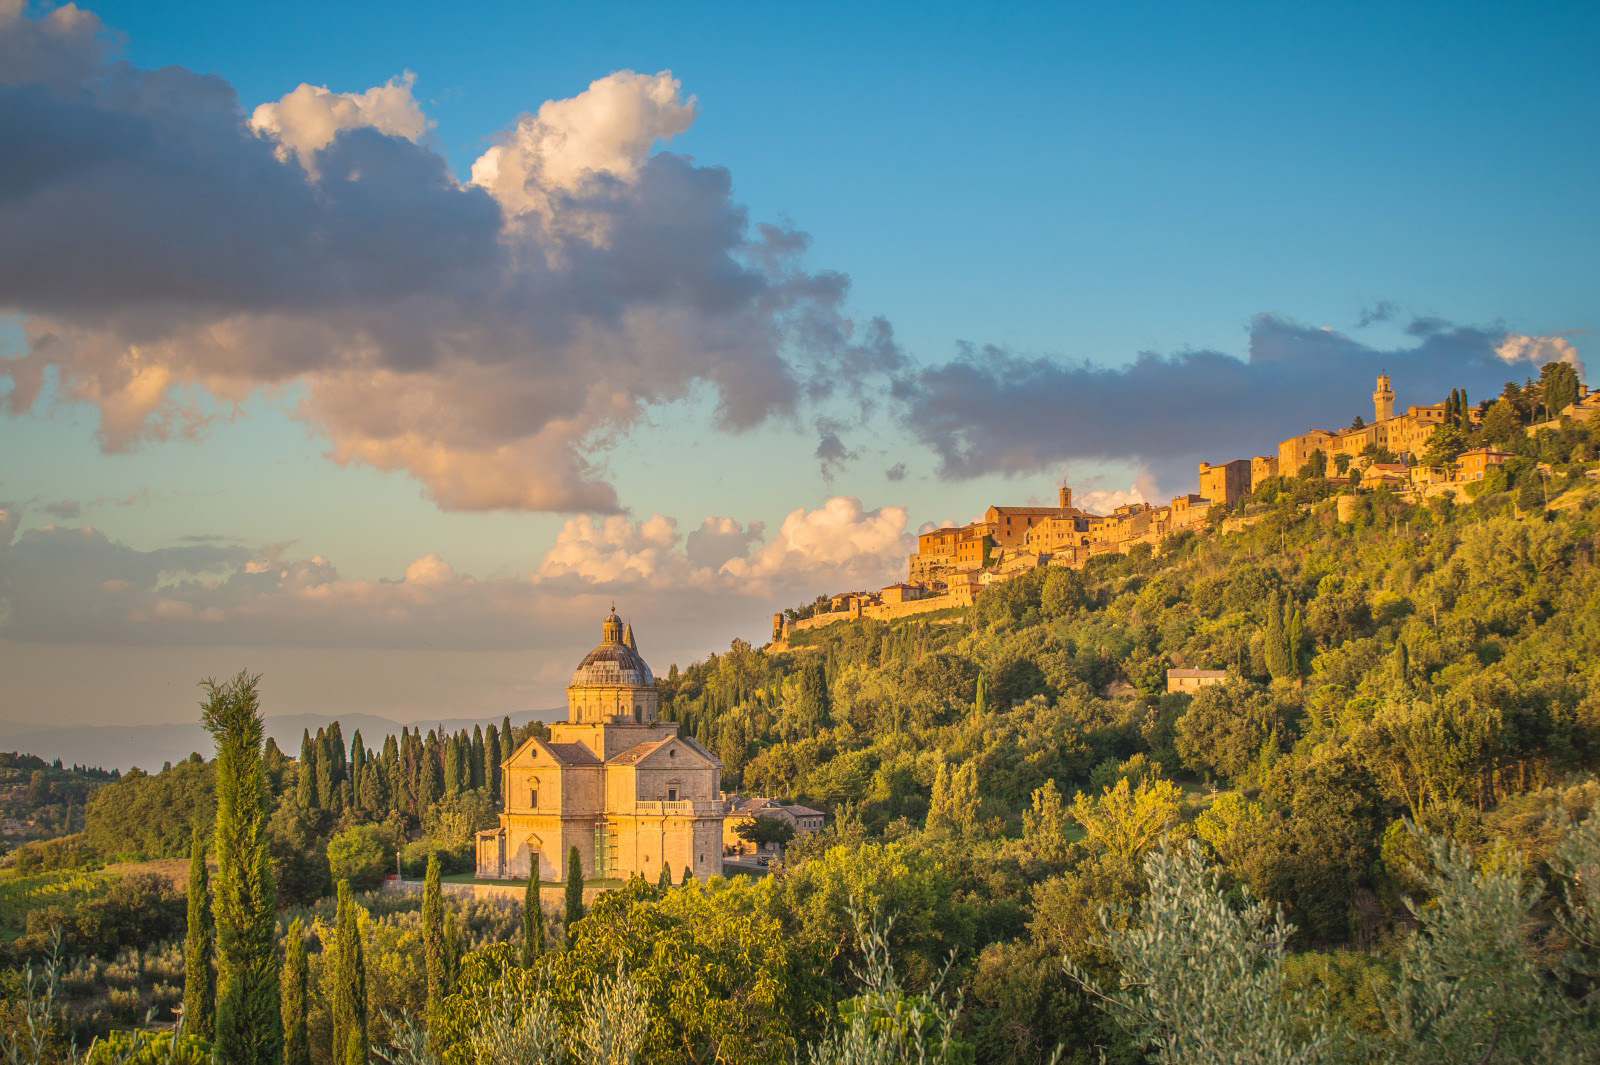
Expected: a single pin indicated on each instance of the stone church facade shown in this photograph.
(612, 780)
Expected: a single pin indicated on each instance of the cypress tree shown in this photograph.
(358, 764)
(491, 762)
(507, 746)
(249, 1029)
(532, 921)
(199, 947)
(296, 1039)
(349, 1005)
(325, 779)
(574, 890)
(452, 766)
(478, 758)
(306, 789)
(433, 942)
(336, 746)
(688, 876)
(664, 881)
(404, 780)
(1276, 641)
(430, 772)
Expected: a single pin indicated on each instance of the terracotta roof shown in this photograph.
(1197, 673)
(570, 753)
(633, 754)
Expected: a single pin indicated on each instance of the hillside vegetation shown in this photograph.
(1373, 843)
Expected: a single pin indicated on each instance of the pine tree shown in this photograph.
(199, 947)
(249, 1030)
(349, 993)
(296, 1038)
(433, 942)
(574, 912)
(532, 921)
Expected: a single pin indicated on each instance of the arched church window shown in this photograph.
(638, 714)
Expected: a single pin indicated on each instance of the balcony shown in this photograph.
(680, 808)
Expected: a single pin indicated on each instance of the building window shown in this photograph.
(533, 798)
(672, 794)
(638, 714)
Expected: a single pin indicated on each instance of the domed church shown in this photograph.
(612, 780)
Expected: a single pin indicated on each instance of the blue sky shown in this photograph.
(1054, 190)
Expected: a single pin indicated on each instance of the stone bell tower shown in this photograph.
(1382, 400)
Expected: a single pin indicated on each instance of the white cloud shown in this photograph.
(841, 539)
(308, 119)
(612, 549)
(1517, 347)
(605, 131)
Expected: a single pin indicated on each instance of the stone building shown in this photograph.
(1188, 681)
(1224, 483)
(612, 780)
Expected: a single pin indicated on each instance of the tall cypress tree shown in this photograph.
(479, 761)
(249, 1030)
(296, 1038)
(199, 947)
(306, 791)
(326, 789)
(1275, 641)
(664, 881)
(358, 764)
(574, 912)
(532, 920)
(491, 762)
(349, 993)
(507, 741)
(433, 942)
(452, 766)
(336, 747)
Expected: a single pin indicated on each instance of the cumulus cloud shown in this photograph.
(990, 410)
(605, 132)
(1536, 351)
(309, 118)
(170, 255)
(840, 538)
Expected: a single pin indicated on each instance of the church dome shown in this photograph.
(615, 662)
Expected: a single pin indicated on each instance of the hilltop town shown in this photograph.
(1416, 454)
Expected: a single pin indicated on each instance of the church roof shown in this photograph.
(615, 663)
(572, 754)
(638, 751)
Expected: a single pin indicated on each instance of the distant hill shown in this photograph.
(148, 746)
